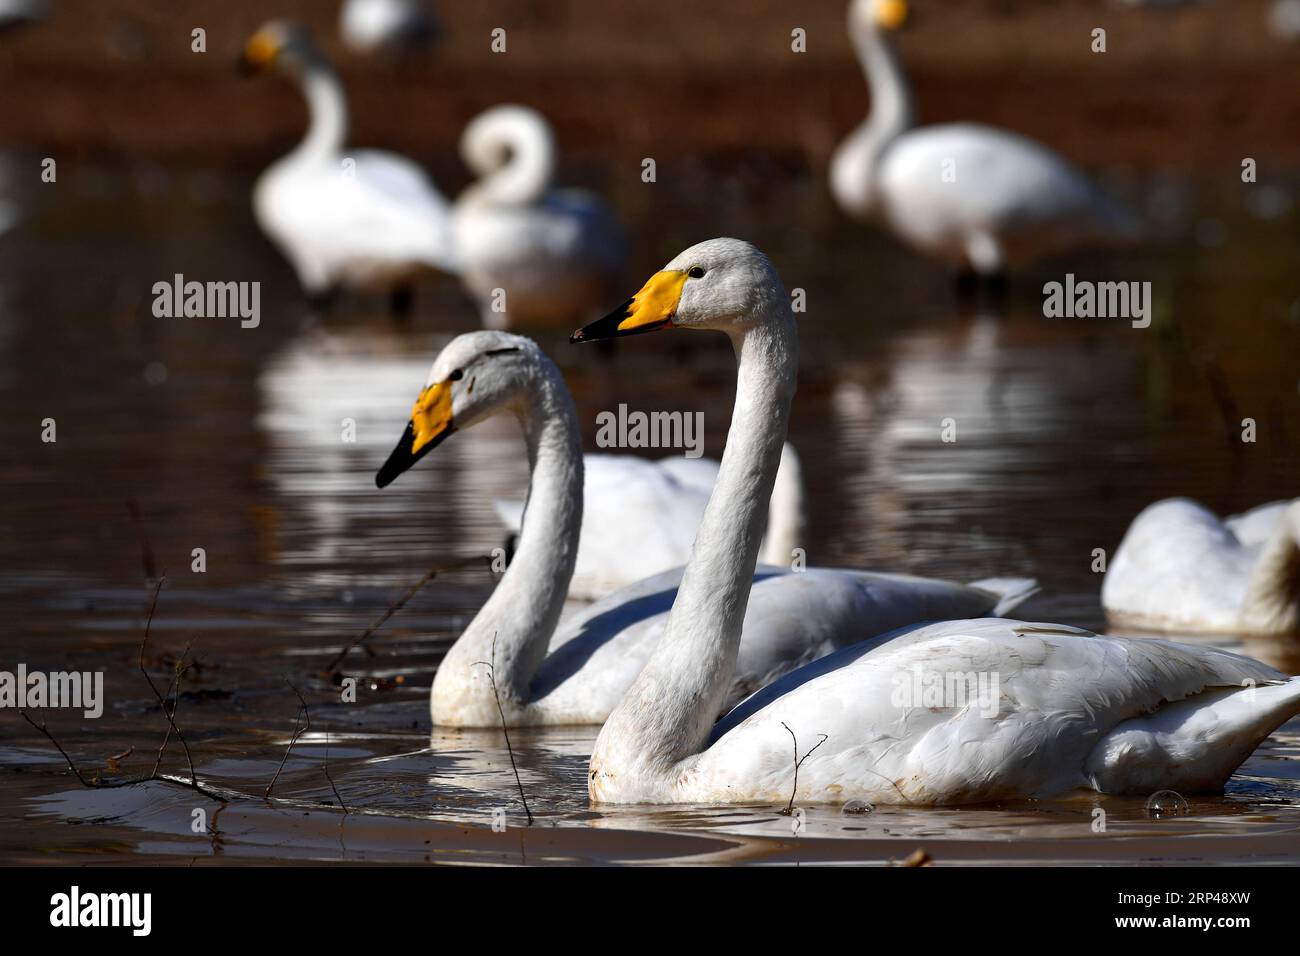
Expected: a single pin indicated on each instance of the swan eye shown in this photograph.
(456, 376)
(695, 272)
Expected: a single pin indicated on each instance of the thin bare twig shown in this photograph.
(401, 602)
(338, 796)
(146, 552)
(72, 766)
(169, 714)
(491, 666)
(174, 695)
(798, 762)
(298, 731)
(98, 784)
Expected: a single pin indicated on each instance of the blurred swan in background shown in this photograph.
(15, 13)
(978, 198)
(386, 26)
(1059, 709)
(595, 655)
(361, 219)
(639, 517)
(1179, 568)
(530, 255)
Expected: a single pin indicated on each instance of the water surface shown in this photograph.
(232, 441)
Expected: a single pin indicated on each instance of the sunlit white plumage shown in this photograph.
(639, 517)
(972, 196)
(595, 656)
(530, 254)
(1060, 710)
(360, 219)
(386, 26)
(1179, 568)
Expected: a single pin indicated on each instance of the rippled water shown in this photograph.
(230, 440)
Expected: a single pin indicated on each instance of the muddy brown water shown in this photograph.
(230, 440)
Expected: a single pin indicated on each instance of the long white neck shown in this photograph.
(522, 613)
(853, 166)
(666, 715)
(528, 169)
(328, 111)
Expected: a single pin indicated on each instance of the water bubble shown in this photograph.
(1166, 803)
(155, 373)
(856, 807)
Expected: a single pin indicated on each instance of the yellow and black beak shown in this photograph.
(891, 14)
(652, 308)
(430, 423)
(259, 53)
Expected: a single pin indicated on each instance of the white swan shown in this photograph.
(1179, 568)
(386, 26)
(595, 656)
(530, 255)
(359, 219)
(17, 12)
(1052, 709)
(639, 517)
(973, 196)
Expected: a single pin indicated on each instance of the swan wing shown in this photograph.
(638, 520)
(792, 618)
(970, 711)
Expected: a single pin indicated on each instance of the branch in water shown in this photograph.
(798, 762)
(510, 750)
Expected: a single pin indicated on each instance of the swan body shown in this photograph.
(973, 196)
(1073, 711)
(639, 517)
(530, 254)
(954, 712)
(1179, 568)
(364, 219)
(596, 655)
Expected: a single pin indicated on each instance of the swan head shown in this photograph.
(879, 15)
(474, 377)
(723, 284)
(280, 44)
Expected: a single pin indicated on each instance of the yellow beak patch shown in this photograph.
(891, 14)
(656, 303)
(261, 49)
(431, 415)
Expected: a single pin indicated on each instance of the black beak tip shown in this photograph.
(606, 328)
(402, 458)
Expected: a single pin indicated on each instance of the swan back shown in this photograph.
(1179, 568)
